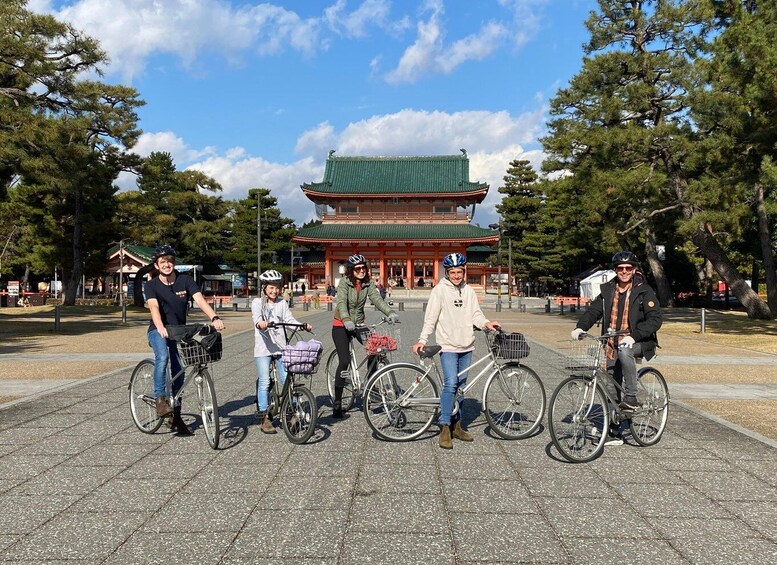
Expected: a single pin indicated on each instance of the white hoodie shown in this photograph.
(453, 310)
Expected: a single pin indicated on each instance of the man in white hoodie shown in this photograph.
(452, 311)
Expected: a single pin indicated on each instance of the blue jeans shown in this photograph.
(452, 365)
(164, 350)
(263, 379)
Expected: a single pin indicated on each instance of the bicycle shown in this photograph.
(403, 399)
(377, 357)
(582, 409)
(198, 346)
(294, 401)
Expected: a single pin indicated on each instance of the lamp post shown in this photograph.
(258, 234)
(510, 272)
(499, 267)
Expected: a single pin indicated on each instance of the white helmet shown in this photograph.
(272, 277)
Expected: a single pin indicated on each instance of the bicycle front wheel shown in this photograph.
(649, 421)
(209, 408)
(299, 414)
(578, 419)
(141, 398)
(514, 401)
(398, 404)
(332, 363)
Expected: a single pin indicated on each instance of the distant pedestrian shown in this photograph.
(303, 287)
(316, 300)
(381, 290)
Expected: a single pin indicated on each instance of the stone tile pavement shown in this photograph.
(80, 484)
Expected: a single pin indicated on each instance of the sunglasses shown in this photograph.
(359, 269)
(626, 269)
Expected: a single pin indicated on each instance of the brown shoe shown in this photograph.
(267, 426)
(162, 407)
(461, 434)
(445, 437)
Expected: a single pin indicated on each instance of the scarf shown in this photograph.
(612, 343)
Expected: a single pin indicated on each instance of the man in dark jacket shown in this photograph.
(626, 304)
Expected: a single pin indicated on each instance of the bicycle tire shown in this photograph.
(348, 398)
(385, 404)
(209, 408)
(649, 421)
(299, 414)
(514, 401)
(578, 419)
(141, 397)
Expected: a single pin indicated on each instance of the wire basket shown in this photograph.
(583, 356)
(384, 339)
(192, 352)
(510, 346)
(303, 357)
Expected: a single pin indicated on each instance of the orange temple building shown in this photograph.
(404, 214)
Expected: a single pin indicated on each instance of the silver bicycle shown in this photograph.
(402, 400)
(582, 409)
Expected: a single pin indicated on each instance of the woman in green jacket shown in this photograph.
(352, 294)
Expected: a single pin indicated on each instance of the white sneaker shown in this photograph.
(613, 441)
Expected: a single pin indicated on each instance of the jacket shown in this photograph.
(451, 313)
(270, 341)
(644, 314)
(349, 305)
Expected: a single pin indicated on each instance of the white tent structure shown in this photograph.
(589, 286)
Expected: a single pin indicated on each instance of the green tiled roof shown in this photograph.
(440, 174)
(396, 232)
(140, 251)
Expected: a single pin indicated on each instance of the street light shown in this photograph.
(499, 267)
(258, 234)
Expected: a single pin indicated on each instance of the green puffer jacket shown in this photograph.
(349, 305)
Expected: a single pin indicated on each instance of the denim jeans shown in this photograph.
(624, 370)
(164, 350)
(452, 365)
(263, 379)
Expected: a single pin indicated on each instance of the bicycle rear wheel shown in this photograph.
(209, 408)
(578, 419)
(299, 414)
(331, 371)
(141, 398)
(514, 401)
(399, 407)
(649, 421)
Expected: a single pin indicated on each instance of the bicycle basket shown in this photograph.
(200, 349)
(377, 344)
(303, 357)
(584, 355)
(510, 346)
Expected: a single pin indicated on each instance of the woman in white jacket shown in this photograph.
(269, 341)
(452, 311)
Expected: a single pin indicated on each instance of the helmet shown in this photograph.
(271, 277)
(161, 251)
(356, 259)
(624, 257)
(454, 260)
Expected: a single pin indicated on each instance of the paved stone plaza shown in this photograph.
(80, 484)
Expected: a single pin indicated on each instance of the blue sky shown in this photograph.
(256, 94)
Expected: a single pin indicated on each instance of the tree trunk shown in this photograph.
(755, 276)
(709, 246)
(764, 236)
(663, 288)
(71, 290)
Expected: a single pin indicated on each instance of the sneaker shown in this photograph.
(629, 404)
(612, 441)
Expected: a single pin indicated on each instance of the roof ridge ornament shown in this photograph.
(464, 151)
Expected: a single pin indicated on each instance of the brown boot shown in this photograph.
(461, 433)
(445, 437)
(267, 426)
(162, 407)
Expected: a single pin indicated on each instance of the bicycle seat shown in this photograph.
(429, 351)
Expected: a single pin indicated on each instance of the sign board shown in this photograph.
(13, 288)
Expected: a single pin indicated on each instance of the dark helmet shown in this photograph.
(622, 257)
(454, 260)
(161, 251)
(356, 259)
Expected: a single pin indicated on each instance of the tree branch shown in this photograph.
(646, 218)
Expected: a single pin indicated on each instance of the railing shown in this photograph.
(394, 216)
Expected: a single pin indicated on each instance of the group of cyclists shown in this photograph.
(626, 304)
